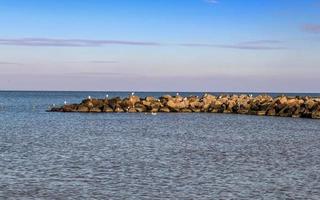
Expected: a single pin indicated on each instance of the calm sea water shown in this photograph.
(140, 156)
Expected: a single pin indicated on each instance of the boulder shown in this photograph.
(176, 105)
(146, 103)
(293, 102)
(196, 110)
(217, 105)
(156, 105)
(132, 110)
(283, 100)
(150, 99)
(95, 110)
(82, 108)
(118, 109)
(271, 112)
(186, 110)
(114, 102)
(315, 114)
(164, 109)
(140, 107)
(70, 108)
(165, 98)
(107, 109)
(310, 104)
(261, 113)
(134, 99)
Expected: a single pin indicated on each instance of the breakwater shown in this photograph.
(264, 105)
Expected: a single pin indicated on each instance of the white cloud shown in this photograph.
(212, 1)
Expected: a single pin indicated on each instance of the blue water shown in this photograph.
(140, 156)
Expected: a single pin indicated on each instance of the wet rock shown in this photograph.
(261, 113)
(95, 110)
(132, 110)
(107, 109)
(196, 110)
(164, 109)
(186, 110)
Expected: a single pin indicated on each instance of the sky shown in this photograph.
(160, 45)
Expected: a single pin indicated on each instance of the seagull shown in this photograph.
(177, 93)
(65, 102)
(250, 95)
(89, 97)
(132, 93)
(107, 96)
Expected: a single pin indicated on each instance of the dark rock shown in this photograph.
(107, 109)
(70, 108)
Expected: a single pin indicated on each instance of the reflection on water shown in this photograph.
(141, 156)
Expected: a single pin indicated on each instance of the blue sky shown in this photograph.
(160, 45)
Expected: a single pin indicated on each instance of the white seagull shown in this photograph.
(132, 93)
(65, 102)
(89, 97)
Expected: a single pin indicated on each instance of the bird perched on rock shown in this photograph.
(107, 95)
(132, 93)
(65, 102)
(89, 97)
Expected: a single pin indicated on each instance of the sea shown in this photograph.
(46, 155)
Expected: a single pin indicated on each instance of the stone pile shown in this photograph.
(283, 106)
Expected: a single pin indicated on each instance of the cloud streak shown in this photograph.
(49, 42)
(9, 63)
(311, 28)
(103, 61)
(248, 45)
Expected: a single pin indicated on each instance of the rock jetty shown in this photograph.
(263, 105)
